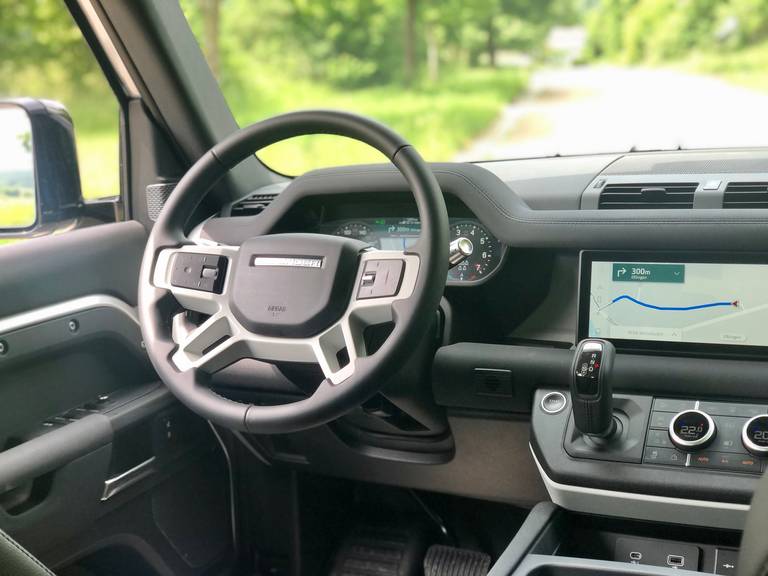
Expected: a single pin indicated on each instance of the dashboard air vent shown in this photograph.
(647, 196)
(252, 205)
(746, 195)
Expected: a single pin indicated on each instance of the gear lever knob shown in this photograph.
(591, 391)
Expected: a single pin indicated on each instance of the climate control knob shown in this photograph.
(754, 435)
(692, 430)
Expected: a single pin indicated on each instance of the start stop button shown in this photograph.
(553, 402)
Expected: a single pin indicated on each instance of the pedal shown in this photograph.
(448, 561)
(380, 551)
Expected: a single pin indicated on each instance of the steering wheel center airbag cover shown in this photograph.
(293, 285)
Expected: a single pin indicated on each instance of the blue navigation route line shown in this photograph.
(675, 308)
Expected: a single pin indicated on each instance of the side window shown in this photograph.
(43, 56)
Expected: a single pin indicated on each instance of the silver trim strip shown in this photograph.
(288, 261)
(644, 506)
(128, 478)
(109, 48)
(40, 315)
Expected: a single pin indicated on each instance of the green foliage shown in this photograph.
(439, 120)
(751, 19)
(351, 55)
(643, 31)
(745, 67)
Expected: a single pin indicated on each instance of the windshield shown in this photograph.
(496, 79)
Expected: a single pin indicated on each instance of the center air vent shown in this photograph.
(647, 196)
(746, 195)
(252, 205)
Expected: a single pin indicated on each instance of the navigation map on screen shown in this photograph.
(680, 302)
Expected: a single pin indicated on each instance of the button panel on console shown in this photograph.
(725, 453)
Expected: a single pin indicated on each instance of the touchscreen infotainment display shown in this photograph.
(655, 300)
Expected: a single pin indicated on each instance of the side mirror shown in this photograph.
(39, 176)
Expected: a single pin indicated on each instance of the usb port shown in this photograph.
(635, 556)
(675, 560)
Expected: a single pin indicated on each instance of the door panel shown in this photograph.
(97, 460)
(96, 260)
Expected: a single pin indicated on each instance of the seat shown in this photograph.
(16, 561)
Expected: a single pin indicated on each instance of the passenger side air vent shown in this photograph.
(647, 196)
(746, 195)
(252, 205)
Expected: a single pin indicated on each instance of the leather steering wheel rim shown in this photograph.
(412, 308)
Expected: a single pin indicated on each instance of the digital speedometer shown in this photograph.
(485, 257)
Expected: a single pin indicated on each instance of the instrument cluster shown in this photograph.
(402, 233)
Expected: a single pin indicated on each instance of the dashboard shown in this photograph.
(388, 233)
(662, 253)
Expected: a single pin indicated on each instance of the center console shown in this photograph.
(553, 541)
(679, 460)
(675, 457)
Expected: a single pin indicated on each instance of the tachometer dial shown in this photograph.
(485, 257)
(356, 230)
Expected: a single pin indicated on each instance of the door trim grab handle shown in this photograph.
(128, 478)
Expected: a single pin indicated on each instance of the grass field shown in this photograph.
(439, 120)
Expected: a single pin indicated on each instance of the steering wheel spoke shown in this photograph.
(384, 277)
(210, 346)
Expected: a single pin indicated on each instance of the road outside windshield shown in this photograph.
(496, 79)
(679, 302)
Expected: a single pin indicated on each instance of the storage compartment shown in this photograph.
(635, 542)
(554, 541)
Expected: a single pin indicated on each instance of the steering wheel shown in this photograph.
(288, 297)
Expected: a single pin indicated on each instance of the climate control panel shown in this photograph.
(702, 434)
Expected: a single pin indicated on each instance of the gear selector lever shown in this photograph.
(591, 391)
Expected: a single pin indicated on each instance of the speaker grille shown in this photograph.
(157, 194)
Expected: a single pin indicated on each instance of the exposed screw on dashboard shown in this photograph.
(73, 325)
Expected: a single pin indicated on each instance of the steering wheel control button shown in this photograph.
(665, 456)
(210, 272)
(381, 279)
(553, 403)
(692, 430)
(204, 272)
(754, 435)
